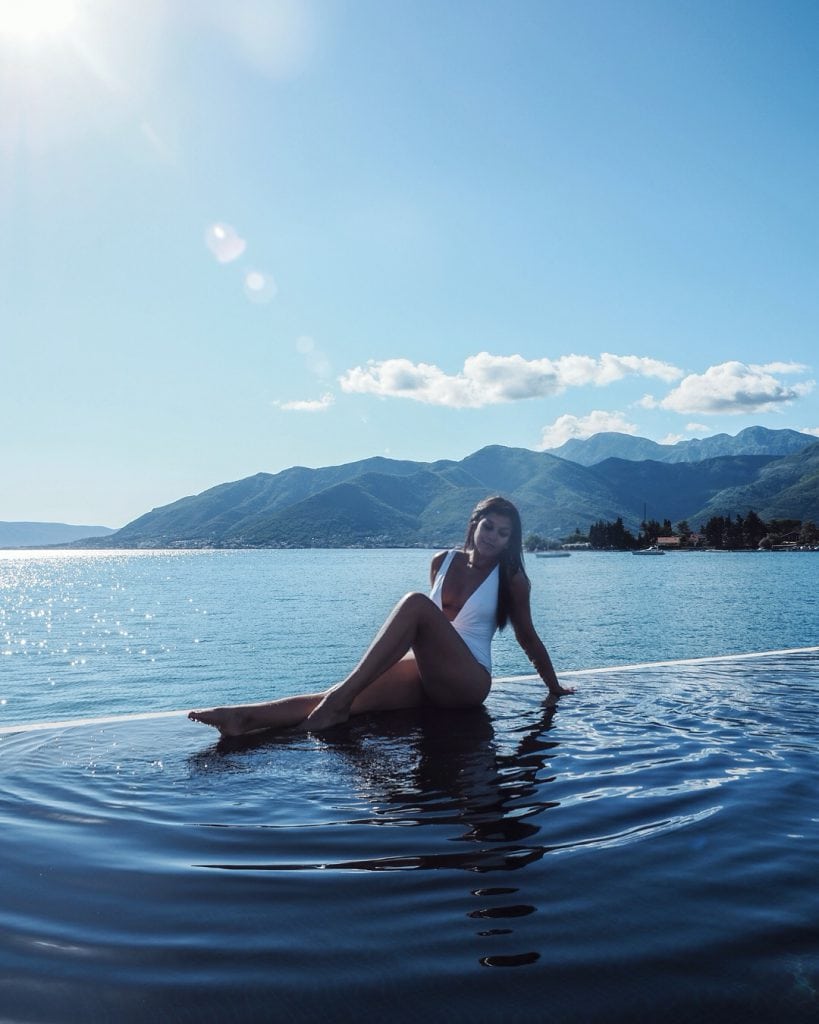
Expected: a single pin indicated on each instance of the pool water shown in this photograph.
(645, 849)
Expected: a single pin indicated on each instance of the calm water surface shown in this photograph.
(644, 850)
(109, 632)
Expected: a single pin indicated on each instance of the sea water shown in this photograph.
(94, 633)
(645, 849)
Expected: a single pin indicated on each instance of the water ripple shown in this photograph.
(656, 819)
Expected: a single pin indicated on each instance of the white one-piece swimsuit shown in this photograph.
(477, 621)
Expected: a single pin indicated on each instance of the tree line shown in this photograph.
(723, 533)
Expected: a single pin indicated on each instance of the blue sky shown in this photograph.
(241, 235)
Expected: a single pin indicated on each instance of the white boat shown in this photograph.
(648, 551)
(552, 554)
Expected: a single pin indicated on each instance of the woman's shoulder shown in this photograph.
(519, 583)
(437, 562)
(440, 557)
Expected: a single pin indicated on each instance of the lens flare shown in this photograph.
(29, 20)
(224, 242)
(259, 287)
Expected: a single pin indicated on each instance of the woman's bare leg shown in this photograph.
(449, 674)
(398, 687)
(441, 668)
(244, 718)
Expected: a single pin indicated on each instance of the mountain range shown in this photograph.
(35, 535)
(751, 441)
(382, 502)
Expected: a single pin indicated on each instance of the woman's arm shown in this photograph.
(526, 635)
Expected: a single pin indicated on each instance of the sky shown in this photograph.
(242, 235)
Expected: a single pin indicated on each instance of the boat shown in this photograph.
(552, 554)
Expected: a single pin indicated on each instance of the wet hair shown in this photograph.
(511, 561)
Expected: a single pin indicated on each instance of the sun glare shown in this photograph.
(31, 20)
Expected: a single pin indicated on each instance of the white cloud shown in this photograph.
(581, 427)
(690, 428)
(488, 379)
(734, 388)
(401, 378)
(782, 368)
(809, 430)
(316, 405)
(609, 368)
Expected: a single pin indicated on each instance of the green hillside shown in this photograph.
(384, 502)
(786, 488)
(673, 490)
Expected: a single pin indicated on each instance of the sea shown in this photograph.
(644, 849)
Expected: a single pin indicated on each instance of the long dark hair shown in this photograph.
(511, 561)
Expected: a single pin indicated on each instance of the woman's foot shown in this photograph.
(327, 714)
(229, 721)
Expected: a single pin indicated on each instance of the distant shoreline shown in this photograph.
(79, 547)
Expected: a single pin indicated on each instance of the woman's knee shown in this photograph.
(416, 602)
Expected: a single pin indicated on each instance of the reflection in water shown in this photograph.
(680, 879)
(435, 767)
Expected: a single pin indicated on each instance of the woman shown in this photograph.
(432, 649)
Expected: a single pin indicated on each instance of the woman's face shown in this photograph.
(492, 535)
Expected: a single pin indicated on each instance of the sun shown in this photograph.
(29, 21)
